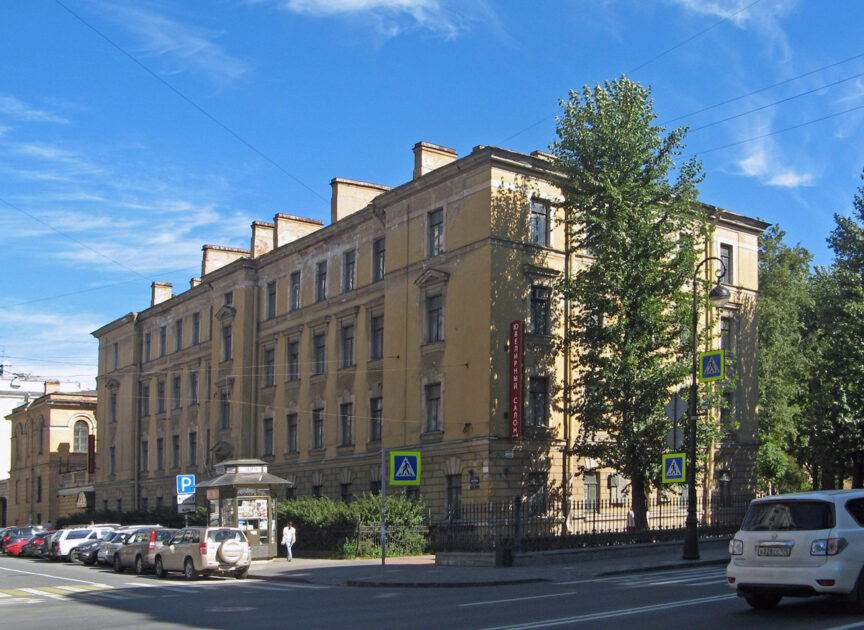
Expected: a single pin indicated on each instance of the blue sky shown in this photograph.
(131, 133)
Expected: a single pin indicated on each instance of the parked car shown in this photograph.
(140, 549)
(37, 545)
(109, 544)
(14, 548)
(86, 553)
(800, 545)
(205, 551)
(67, 539)
(21, 532)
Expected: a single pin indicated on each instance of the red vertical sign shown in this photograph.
(91, 453)
(515, 365)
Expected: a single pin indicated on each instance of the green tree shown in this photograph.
(632, 307)
(785, 299)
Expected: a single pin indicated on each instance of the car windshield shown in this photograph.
(789, 515)
(78, 533)
(221, 535)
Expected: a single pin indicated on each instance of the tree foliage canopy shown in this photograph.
(643, 231)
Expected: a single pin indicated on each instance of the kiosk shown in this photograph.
(243, 494)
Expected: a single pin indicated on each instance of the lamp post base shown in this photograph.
(691, 541)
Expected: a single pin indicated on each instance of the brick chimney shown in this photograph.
(428, 157)
(52, 387)
(161, 291)
(349, 196)
(290, 228)
(262, 238)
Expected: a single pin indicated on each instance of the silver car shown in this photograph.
(140, 548)
(198, 551)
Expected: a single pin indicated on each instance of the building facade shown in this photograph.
(318, 347)
(53, 437)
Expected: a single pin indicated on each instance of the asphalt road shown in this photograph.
(40, 594)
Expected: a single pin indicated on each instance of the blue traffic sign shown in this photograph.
(674, 470)
(185, 484)
(712, 366)
(404, 468)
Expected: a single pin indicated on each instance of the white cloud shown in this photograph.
(19, 110)
(191, 48)
(763, 162)
(790, 179)
(445, 18)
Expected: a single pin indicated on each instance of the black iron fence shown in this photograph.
(525, 526)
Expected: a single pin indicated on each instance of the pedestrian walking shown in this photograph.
(289, 537)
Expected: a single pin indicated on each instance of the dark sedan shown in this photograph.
(15, 534)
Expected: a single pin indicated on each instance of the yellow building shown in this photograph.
(51, 448)
(387, 328)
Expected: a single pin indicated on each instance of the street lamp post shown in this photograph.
(718, 296)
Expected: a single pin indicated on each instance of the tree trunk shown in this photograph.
(858, 470)
(639, 503)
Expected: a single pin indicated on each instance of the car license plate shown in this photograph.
(774, 550)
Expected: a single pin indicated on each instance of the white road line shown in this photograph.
(56, 577)
(611, 614)
(860, 624)
(517, 599)
(75, 589)
(40, 593)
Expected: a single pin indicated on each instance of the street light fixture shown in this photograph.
(718, 296)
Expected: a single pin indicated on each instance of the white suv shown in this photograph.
(67, 539)
(799, 545)
(205, 550)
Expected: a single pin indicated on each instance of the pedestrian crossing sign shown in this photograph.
(674, 468)
(404, 468)
(712, 366)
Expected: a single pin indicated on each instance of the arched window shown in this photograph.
(82, 430)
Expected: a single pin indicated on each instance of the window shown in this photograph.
(321, 281)
(295, 290)
(115, 361)
(227, 334)
(727, 335)
(193, 448)
(175, 451)
(727, 413)
(374, 487)
(726, 257)
(345, 492)
(538, 401)
(271, 300)
(539, 222)
(348, 263)
(196, 329)
(377, 337)
(163, 341)
(591, 491)
(317, 428)
(319, 345)
(434, 318)
(346, 415)
(193, 388)
(536, 494)
(160, 396)
(112, 407)
(112, 460)
(292, 360)
(178, 335)
(145, 400)
(39, 489)
(176, 394)
(435, 232)
(224, 410)
(317, 491)
(291, 433)
(80, 433)
(228, 298)
(540, 298)
(119, 504)
(267, 437)
(144, 504)
(376, 408)
(433, 407)
(145, 455)
(269, 374)
(347, 346)
(160, 453)
(147, 346)
(378, 250)
(454, 496)
(41, 436)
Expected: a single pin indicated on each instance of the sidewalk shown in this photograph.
(422, 572)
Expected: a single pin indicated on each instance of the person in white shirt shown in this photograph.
(289, 537)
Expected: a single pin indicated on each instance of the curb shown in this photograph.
(661, 567)
(360, 583)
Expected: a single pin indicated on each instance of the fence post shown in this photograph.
(517, 524)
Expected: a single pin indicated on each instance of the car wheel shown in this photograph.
(242, 574)
(118, 567)
(159, 569)
(189, 571)
(763, 601)
(139, 565)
